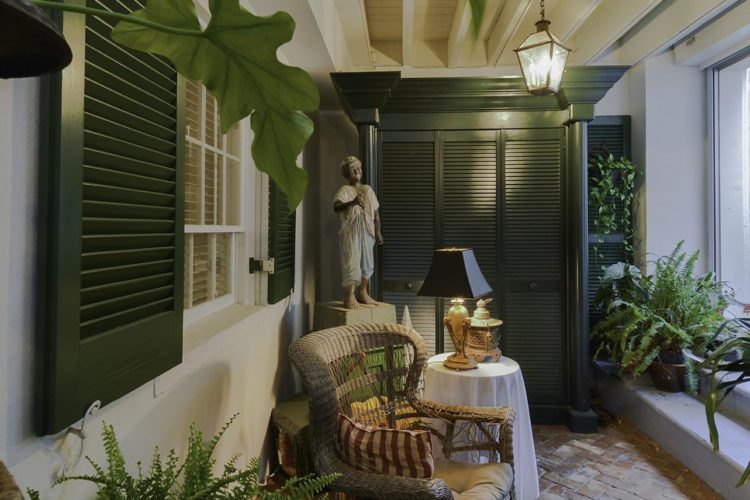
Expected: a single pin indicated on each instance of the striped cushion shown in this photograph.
(386, 451)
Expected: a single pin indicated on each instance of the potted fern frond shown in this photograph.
(193, 479)
(649, 319)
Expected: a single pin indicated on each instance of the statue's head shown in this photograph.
(348, 163)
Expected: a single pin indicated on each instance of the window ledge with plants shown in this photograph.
(670, 324)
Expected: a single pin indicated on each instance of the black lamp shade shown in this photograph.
(454, 273)
(30, 42)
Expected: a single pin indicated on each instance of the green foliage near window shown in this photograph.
(650, 315)
(193, 479)
(235, 58)
(612, 185)
(734, 371)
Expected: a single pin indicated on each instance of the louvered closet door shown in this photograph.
(115, 279)
(469, 203)
(533, 274)
(407, 211)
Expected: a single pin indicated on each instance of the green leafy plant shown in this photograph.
(235, 58)
(612, 186)
(725, 375)
(193, 479)
(648, 316)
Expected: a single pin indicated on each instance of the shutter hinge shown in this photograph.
(257, 265)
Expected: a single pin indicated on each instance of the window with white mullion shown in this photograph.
(212, 224)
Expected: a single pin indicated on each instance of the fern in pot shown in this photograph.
(650, 318)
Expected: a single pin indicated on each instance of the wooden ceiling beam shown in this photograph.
(507, 24)
(606, 25)
(354, 23)
(407, 36)
(673, 23)
(459, 32)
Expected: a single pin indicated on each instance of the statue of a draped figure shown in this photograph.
(357, 207)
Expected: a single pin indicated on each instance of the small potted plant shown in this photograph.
(649, 319)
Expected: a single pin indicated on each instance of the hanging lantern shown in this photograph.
(30, 42)
(542, 58)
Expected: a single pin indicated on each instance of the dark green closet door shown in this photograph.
(407, 211)
(533, 260)
(469, 203)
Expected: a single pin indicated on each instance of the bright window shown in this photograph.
(214, 222)
(732, 186)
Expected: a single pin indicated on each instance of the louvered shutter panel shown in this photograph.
(281, 228)
(112, 194)
(533, 243)
(407, 212)
(606, 134)
(469, 203)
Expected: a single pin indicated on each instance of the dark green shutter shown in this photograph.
(111, 276)
(407, 212)
(533, 276)
(281, 228)
(606, 134)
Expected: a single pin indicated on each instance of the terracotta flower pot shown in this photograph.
(667, 377)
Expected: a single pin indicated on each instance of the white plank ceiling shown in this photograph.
(437, 34)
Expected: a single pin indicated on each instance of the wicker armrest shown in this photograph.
(493, 415)
(362, 484)
(475, 421)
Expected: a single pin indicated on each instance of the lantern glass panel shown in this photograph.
(559, 58)
(536, 64)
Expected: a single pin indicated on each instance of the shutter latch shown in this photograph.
(257, 265)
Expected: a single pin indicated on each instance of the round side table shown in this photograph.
(491, 384)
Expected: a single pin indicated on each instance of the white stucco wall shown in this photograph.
(669, 143)
(675, 157)
(234, 362)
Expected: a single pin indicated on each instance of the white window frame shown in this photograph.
(715, 195)
(251, 234)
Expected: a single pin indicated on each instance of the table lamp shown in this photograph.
(454, 274)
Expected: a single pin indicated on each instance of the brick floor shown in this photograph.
(618, 462)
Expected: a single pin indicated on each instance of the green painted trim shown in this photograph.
(578, 113)
(62, 298)
(577, 217)
(487, 120)
(389, 92)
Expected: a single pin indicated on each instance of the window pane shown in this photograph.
(201, 268)
(212, 120)
(232, 195)
(193, 112)
(223, 264)
(220, 187)
(192, 183)
(209, 193)
(734, 177)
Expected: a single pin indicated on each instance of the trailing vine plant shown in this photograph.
(612, 185)
(235, 58)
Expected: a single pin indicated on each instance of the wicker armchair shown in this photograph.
(372, 373)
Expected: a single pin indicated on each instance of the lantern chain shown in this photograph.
(542, 5)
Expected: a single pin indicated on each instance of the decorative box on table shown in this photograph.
(484, 336)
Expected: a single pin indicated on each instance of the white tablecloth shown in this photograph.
(492, 384)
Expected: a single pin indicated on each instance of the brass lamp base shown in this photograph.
(458, 361)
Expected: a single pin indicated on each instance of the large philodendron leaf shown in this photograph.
(235, 58)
